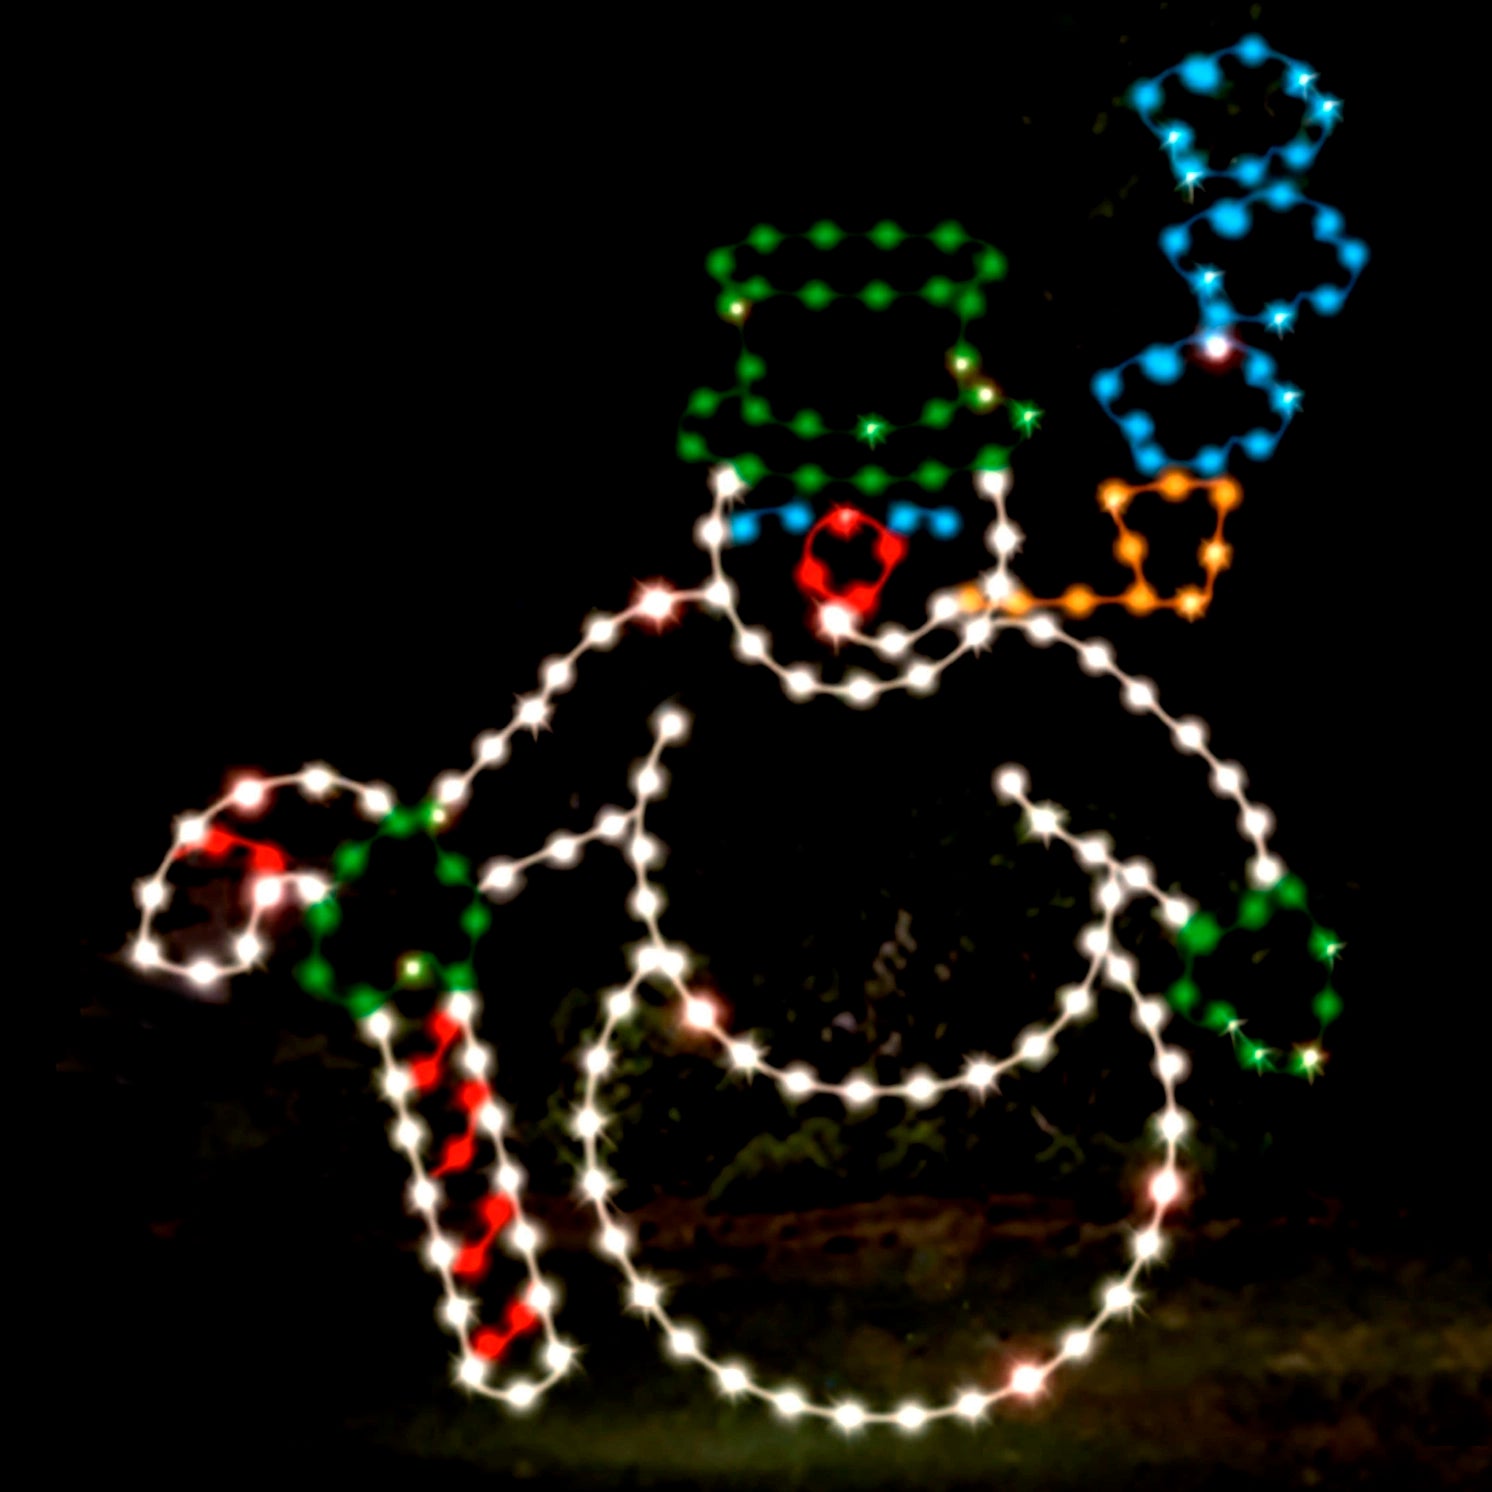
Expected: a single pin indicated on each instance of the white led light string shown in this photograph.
(657, 957)
(408, 1136)
(1115, 884)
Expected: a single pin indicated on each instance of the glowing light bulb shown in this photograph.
(656, 604)
(836, 621)
(1027, 1380)
(980, 1074)
(1012, 782)
(996, 585)
(1171, 1063)
(491, 748)
(376, 802)
(1189, 735)
(1226, 779)
(1004, 538)
(726, 481)
(316, 781)
(1044, 821)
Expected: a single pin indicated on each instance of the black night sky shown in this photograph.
(383, 356)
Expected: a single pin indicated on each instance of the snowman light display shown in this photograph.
(959, 622)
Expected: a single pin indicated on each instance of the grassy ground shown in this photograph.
(1281, 1357)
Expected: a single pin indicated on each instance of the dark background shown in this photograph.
(383, 357)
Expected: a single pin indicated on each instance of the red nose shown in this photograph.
(861, 596)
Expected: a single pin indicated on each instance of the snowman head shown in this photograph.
(843, 489)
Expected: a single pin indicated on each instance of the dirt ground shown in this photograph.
(1267, 1355)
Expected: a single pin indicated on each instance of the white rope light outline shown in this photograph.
(1115, 884)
